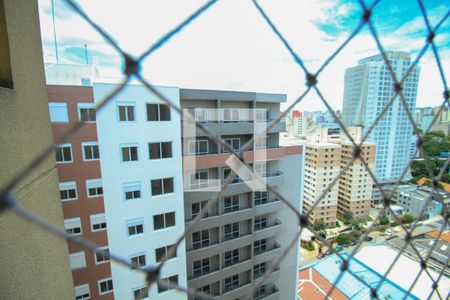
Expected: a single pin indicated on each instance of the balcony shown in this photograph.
(274, 294)
(268, 254)
(236, 127)
(274, 276)
(267, 231)
(215, 160)
(236, 291)
(265, 206)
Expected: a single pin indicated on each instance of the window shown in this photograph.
(86, 112)
(172, 280)
(226, 173)
(105, 286)
(234, 143)
(205, 290)
(73, 226)
(129, 153)
(199, 179)
(201, 267)
(162, 186)
(63, 153)
(58, 112)
(162, 252)
(231, 257)
(231, 115)
(260, 292)
(126, 112)
(94, 188)
(90, 151)
(77, 260)
(98, 222)
(164, 220)
(68, 191)
(259, 246)
(132, 190)
(82, 292)
(230, 204)
(260, 222)
(260, 168)
(135, 227)
(197, 207)
(262, 115)
(200, 239)
(201, 114)
(262, 142)
(261, 198)
(138, 260)
(259, 270)
(101, 257)
(158, 112)
(160, 150)
(231, 283)
(230, 231)
(198, 147)
(139, 293)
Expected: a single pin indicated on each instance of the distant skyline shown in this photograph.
(230, 46)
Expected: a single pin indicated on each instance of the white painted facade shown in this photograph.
(112, 134)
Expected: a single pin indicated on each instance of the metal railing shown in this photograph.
(132, 70)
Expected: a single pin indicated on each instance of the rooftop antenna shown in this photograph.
(86, 54)
(54, 32)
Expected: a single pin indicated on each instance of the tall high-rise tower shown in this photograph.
(368, 88)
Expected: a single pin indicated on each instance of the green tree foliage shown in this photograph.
(319, 225)
(436, 142)
(407, 218)
(310, 246)
(343, 238)
(446, 178)
(384, 220)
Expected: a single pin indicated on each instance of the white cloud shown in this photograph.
(231, 47)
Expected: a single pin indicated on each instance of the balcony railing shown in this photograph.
(260, 250)
(263, 201)
(266, 225)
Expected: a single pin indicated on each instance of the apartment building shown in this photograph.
(322, 165)
(246, 230)
(355, 184)
(81, 187)
(368, 88)
(139, 139)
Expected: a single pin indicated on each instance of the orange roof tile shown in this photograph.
(445, 185)
(313, 286)
(444, 236)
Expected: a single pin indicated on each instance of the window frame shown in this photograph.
(232, 207)
(98, 216)
(203, 269)
(104, 260)
(233, 233)
(197, 147)
(203, 241)
(128, 146)
(126, 104)
(168, 279)
(164, 216)
(138, 257)
(134, 223)
(75, 255)
(69, 145)
(90, 144)
(58, 105)
(66, 186)
(234, 257)
(231, 144)
(166, 251)
(129, 185)
(94, 184)
(73, 220)
(158, 112)
(162, 186)
(80, 287)
(99, 282)
(161, 156)
(88, 106)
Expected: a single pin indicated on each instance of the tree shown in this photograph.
(407, 218)
(348, 216)
(384, 220)
(343, 238)
(319, 225)
(446, 178)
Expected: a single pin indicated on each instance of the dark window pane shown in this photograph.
(96, 153)
(166, 149)
(160, 252)
(137, 194)
(72, 193)
(170, 219)
(152, 112)
(164, 112)
(130, 110)
(67, 154)
(134, 154)
(87, 152)
(125, 154)
(128, 195)
(156, 187)
(92, 116)
(168, 185)
(140, 228)
(154, 150)
(122, 113)
(84, 114)
(58, 153)
(158, 221)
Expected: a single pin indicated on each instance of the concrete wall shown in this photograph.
(34, 263)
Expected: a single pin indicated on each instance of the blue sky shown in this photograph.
(231, 47)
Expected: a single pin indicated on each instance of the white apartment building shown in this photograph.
(139, 139)
(368, 88)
